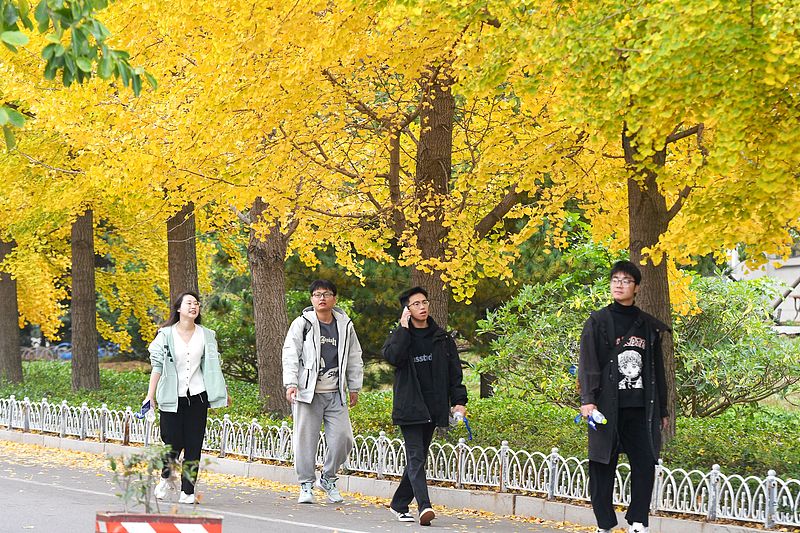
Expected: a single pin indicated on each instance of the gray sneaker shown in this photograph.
(306, 493)
(329, 487)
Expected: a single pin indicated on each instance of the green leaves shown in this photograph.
(75, 60)
(14, 38)
(9, 116)
(76, 41)
(728, 354)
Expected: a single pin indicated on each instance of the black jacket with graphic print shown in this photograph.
(409, 406)
(598, 377)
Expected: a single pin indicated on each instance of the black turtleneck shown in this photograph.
(624, 316)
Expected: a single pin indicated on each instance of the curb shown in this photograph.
(479, 500)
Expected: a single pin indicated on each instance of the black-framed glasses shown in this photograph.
(321, 295)
(421, 303)
(622, 281)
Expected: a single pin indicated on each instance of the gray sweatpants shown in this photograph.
(308, 418)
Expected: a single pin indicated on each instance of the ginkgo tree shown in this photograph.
(693, 105)
(447, 173)
(202, 139)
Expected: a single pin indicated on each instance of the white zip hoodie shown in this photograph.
(301, 355)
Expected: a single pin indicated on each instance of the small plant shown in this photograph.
(136, 475)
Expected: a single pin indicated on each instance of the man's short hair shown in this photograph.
(322, 284)
(406, 295)
(626, 267)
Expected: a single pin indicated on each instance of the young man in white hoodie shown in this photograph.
(322, 372)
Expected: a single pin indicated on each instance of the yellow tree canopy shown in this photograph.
(715, 82)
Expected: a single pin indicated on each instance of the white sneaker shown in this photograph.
(425, 516)
(638, 527)
(329, 487)
(186, 498)
(402, 517)
(306, 493)
(601, 530)
(163, 488)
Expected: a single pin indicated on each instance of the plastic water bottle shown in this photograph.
(594, 418)
(146, 412)
(459, 417)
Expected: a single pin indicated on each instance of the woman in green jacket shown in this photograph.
(185, 381)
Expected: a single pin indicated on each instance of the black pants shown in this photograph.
(414, 483)
(184, 431)
(633, 436)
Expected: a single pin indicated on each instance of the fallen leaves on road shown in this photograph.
(35, 455)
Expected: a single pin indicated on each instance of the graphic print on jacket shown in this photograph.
(328, 377)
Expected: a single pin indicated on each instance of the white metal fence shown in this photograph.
(771, 500)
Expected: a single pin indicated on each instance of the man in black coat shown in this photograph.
(427, 382)
(622, 375)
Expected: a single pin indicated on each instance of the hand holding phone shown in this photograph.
(404, 318)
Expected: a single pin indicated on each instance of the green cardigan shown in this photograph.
(161, 350)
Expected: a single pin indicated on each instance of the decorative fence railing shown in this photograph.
(771, 501)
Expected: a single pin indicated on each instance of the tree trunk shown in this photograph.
(10, 355)
(85, 368)
(267, 260)
(487, 385)
(432, 179)
(182, 252)
(648, 218)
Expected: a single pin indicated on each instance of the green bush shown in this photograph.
(744, 440)
(728, 354)
(536, 339)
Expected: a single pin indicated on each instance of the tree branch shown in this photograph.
(677, 136)
(496, 215)
(359, 105)
(676, 207)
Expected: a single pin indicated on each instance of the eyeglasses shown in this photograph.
(622, 281)
(321, 295)
(421, 303)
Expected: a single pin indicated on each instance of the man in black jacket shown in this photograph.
(427, 382)
(622, 376)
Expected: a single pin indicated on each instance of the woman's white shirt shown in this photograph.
(188, 356)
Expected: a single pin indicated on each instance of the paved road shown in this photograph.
(59, 492)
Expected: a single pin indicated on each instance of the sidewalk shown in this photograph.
(267, 485)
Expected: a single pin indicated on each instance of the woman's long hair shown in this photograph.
(174, 315)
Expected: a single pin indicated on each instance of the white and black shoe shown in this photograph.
(425, 516)
(402, 517)
(187, 498)
(638, 527)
